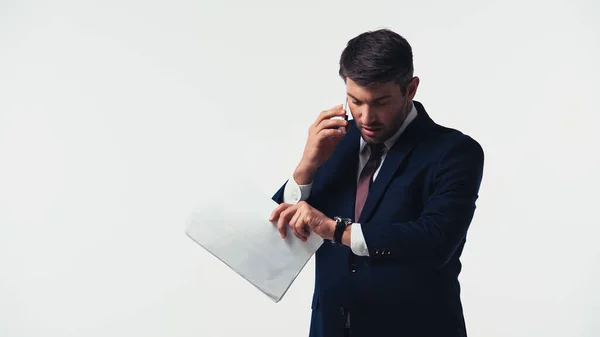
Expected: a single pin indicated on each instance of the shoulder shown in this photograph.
(440, 140)
(451, 140)
(461, 157)
(444, 146)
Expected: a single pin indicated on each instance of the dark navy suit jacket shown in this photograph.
(414, 222)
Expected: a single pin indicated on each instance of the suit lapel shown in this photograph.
(394, 159)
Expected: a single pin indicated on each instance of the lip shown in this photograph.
(370, 131)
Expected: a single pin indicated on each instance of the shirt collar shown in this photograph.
(390, 142)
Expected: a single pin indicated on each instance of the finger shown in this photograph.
(307, 215)
(297, 233)
(302, 230)
(331, 124)
(282, 229)
(294, 219)
(284, 220)
(287, 214)
(331, 133)
(281, 225)
(337, 110)
(303, 225)
(277, 211)
(305, 230)
(297, 225)
(275, 214)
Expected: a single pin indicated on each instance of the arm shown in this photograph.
(292, 193)
(443, 224)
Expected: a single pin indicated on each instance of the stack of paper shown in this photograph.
(240, 235)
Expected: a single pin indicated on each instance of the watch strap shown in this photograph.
(340, 226)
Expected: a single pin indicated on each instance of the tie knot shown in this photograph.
(376, 149)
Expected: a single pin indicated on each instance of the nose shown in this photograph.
(368, 116)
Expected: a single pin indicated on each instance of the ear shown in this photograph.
(411, 89)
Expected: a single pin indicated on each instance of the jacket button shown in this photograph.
(353, 268)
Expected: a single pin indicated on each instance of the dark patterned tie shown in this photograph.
(366, 178)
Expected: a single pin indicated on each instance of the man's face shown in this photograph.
(379, 110)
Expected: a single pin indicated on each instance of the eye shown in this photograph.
(356, 103)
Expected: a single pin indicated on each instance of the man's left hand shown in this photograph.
(302, 218)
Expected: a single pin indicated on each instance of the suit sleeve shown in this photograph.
(442, 226)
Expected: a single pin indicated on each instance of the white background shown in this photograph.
(117, 117)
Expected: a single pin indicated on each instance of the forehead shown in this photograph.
(373, 92)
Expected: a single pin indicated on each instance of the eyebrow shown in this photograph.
(377, 99)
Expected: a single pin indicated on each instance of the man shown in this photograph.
(392, 193)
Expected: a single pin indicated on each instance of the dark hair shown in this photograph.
(376, 57)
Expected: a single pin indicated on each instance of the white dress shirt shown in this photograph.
(294, 193)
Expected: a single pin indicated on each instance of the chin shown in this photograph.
(371, 139)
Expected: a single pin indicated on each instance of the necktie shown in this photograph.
(366, 178)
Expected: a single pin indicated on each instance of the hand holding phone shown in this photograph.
(323, 136)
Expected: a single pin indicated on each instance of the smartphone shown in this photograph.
(346, 116)
(346, 109)
(345, 130)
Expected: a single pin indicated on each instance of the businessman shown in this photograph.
(392, 193)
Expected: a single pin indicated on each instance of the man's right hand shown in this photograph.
(323, 136)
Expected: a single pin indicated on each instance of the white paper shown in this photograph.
(238, 232)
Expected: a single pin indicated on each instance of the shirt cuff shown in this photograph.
(357, 241)
(294, 193)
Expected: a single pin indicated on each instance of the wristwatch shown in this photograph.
(340, 227)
